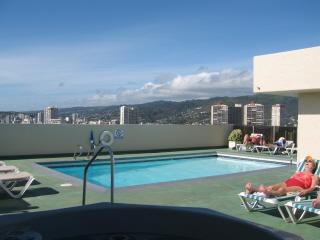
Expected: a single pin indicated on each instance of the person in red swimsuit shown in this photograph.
(302, 182)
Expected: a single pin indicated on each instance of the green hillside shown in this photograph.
(185, 112)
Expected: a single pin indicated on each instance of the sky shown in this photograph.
(101, 53)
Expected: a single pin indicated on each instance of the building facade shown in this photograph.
(253, 114)
(294, 73)
(49, 114)
(128, 115)
(219, 114)
(40, 117)
(75, 118)
(235, 114)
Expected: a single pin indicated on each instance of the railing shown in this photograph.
(78, 152)
(108, 148)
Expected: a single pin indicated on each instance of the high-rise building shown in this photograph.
(128, 115)
(235, 114)
(277, 115)
(75, 118)
(40, 117)
(219, 114)
(253, 114)
(8, 119)
(50, 114)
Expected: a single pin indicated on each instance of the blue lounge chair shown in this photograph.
(288, 148)
(257, 201)
(297, 210)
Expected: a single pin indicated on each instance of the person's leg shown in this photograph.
(273, 187)
(246, 139)
(262, 188)
(281, 190)
(251, 189)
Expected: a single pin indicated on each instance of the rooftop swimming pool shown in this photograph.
(160, 169)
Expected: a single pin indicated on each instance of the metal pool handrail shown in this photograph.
(76, 154)
(108, 148)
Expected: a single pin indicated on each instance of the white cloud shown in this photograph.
(228, 82)
(94, 74)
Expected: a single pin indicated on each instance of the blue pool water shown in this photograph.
(156, 171)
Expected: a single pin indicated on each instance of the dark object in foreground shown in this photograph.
(133, 222)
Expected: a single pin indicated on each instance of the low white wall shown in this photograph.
(309, 125)
(22, 140)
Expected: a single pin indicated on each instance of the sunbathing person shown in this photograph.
(302, 182)
(246, 139)
(254, 139)
(280, 142)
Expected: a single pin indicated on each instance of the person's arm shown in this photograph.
(312, 187)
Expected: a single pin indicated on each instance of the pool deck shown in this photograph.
(53, 190)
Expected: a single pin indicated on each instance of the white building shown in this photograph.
(128, 115)
(55, 121)
(50, 113)
(8, 119)
(113, 122)
(40, 117)
(219, 114)
(277, 115)
(26, 120)
(75, 118)
(95, 122)
(294, 73)
(253, 114)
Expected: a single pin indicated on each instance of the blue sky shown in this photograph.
(86, 53)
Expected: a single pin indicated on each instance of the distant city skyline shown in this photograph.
(252, 113)
(102, 53)
(277, 111)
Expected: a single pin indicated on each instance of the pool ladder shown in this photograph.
(108, 148)
(78, 152)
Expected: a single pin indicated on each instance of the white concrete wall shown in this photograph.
(287, 73)
(309, 125)
(58, 139)
(295, 73)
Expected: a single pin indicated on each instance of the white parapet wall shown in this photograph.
(287, 73)
(24, 140)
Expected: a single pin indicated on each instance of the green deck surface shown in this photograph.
(218, 193)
